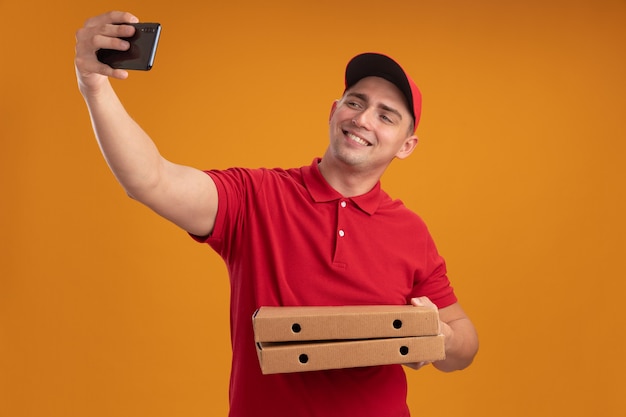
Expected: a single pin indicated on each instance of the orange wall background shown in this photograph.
(108, 310)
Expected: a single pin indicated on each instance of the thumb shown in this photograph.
(417, 302)
(422, 302)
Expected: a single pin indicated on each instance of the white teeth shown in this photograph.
(358, 139)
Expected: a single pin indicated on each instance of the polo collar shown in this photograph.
(321, 192)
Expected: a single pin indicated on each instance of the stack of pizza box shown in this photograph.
(298, 339)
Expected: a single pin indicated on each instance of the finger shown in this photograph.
(416, 302)
(104, 36)
(111, 17)
(117, 30)
(120, 74)
(422, 302)
(108, 42)
(416, 365)
(87, 42)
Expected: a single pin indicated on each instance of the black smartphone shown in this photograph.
(140, 55)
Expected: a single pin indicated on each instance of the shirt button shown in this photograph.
(341, 233)
(343, 204)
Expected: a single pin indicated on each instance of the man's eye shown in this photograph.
(353, 104)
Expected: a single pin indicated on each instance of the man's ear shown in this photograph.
(407, 147)
(332, 109)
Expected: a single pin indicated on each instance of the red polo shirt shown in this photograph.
(288, 238)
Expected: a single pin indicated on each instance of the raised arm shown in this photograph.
(184, 195)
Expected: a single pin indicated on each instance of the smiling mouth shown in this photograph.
(357, 139)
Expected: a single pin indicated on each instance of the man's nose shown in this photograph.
(363, 119)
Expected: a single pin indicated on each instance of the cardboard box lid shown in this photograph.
(283, 324)
(302, 357)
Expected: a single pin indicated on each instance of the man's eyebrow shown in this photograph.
(358, 95)
(365, 98)
(392, 110)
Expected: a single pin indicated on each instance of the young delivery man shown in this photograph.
(322, 234)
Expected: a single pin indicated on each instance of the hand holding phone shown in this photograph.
(140, 55)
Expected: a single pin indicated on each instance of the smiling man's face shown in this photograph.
(370, 126)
